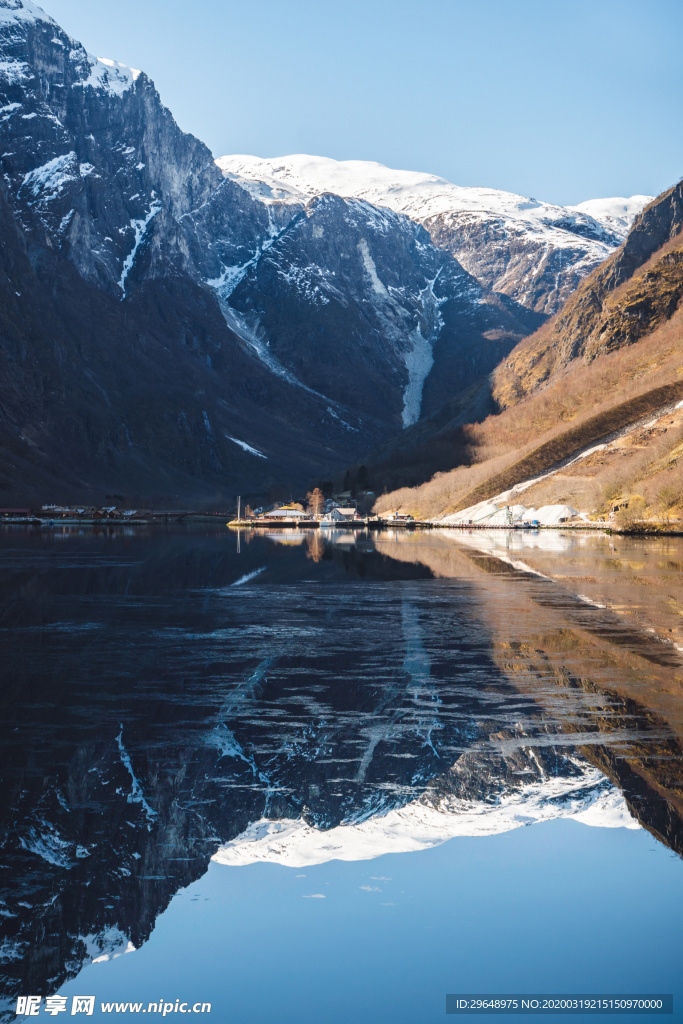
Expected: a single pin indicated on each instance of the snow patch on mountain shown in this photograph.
(47, 181)
(110, 75)
(246, 447)
(617, 214)
(22, 10)
(419, 361)
(107, 944)
(422, 196)
(15, 71)
(250, 331)
(136, 795)
(140, 227)
(43, 839)
(371, 269)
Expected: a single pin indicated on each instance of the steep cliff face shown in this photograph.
(636, 290)
(354, 302)
(169, 332)
(533, 252)
(95, 160)
(119, 372)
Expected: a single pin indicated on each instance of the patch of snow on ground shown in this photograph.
(371, 269)
(309, 282)
(15, 71)
(22, 10)
(48, 180)
(343, 422)
(419, 361)
(11, 950)
(110, 75)
(246, 447)
(108, 944)
(45, 842)
(230, 277)
(420, 358)
(252, 333)
(140, 227)
(66, 220)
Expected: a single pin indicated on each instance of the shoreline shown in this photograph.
(643, 529)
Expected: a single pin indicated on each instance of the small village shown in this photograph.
(318, 512)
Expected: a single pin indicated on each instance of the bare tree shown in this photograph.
(316, 501)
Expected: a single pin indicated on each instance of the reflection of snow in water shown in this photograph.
(506, 541)
(248, 576)
(588, 797)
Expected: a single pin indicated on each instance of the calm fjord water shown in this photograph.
(289, 774)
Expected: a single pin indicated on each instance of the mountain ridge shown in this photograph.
(532, 238)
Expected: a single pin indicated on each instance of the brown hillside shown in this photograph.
(581, 407)
(629, 295)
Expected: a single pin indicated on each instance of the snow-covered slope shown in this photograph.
(533, 251)
(105, 74)
(418, 194)
(616, 214)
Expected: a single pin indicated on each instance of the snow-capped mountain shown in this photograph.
(532, 251)
(190, 311)
(616, 214)
(175, 328)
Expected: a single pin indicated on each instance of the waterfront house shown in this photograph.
(285, 512)
(341, 515)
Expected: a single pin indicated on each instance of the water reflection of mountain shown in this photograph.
(614, 690)
(164, 694)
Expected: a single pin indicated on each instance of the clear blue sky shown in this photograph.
(563, 100)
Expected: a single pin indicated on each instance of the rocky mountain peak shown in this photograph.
(532, 251)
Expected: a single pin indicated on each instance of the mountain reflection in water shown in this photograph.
(170, 697)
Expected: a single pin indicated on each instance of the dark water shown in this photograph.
(291, 775)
